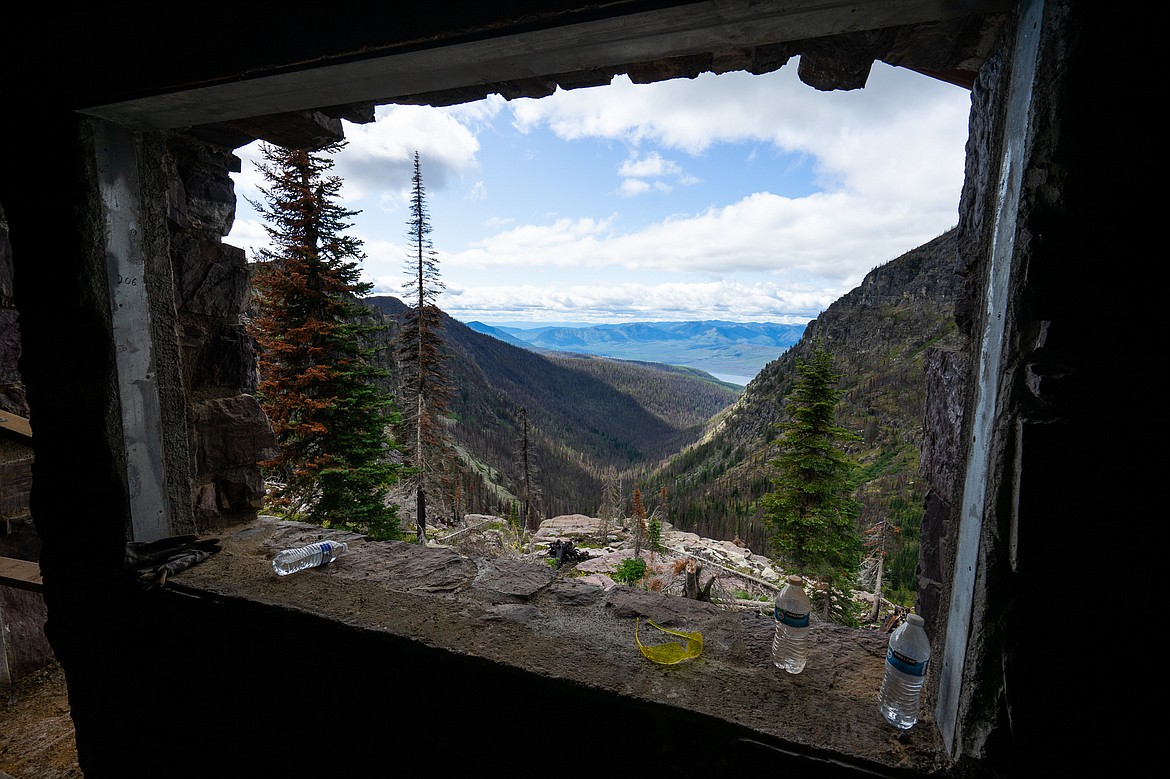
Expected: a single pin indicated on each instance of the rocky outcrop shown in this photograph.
(228, 431)
(946, 372)
(231, 435)
(732, 574)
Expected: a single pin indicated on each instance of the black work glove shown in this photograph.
(154, 561)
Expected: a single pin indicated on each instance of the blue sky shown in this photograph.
(735, 197)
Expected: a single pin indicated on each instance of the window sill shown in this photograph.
(526, 617)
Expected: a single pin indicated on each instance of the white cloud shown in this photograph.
(632, 187)
(380, 156)
(565, 242)
(888, 161)
(632, 301)
(838, 237)
(651, 165)
(901, 136)
(249, 235)
(477, 114)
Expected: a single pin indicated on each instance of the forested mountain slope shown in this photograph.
(877, 333)
(584, 413)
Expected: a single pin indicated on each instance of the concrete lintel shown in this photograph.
(615, 43)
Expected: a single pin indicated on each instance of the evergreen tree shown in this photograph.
(810, 511)
(609, 513)
(659, 516)
(526, 463)
(641, 531)
(424, 384)
(318, 384)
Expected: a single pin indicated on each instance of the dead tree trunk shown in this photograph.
(692, 588)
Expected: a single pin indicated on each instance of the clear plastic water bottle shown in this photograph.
(906, 661)
(790, 644)
(320, 553)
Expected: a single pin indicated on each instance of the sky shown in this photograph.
(735, 197)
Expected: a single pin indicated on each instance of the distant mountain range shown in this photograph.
(733, 351)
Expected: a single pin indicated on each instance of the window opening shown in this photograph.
(731, 198)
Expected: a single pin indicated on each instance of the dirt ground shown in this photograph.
(36, 731)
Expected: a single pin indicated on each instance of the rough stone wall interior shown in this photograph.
(983, 688)
(948, 372)
(22, 629)
(11, 388)
(229, 433)
(15, 452)
(946, 388)
(1029, 392)
(24, 647)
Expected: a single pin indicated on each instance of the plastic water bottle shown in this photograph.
(906, 661)
(790, 644)
(320, 553)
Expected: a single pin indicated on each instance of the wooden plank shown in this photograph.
(16, 424)
(21, 574)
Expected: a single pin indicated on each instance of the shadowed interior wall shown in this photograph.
(138, 661)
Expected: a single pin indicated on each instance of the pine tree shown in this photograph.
(318, 385)
(660, 516)
(640, 530)
(526, 464)
(810, 511)
(424, 383)
(609, 512)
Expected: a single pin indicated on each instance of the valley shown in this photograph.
(706, 442)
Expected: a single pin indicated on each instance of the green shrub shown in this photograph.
(631, 570)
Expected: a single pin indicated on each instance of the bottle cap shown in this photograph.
(915, 619)
(795, 580)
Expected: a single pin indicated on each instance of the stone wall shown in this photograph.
(15, 449)
(23, 645)
(11, 388)
(16, 535)
(199, 335)
(213, 428)
(229, 433)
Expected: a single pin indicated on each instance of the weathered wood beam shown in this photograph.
(15, 423)
(20, 574)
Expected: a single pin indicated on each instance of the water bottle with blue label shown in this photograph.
(906, 660)
(320, 553)
(790, 644)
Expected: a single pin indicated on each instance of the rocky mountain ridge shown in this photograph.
(879, 334)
